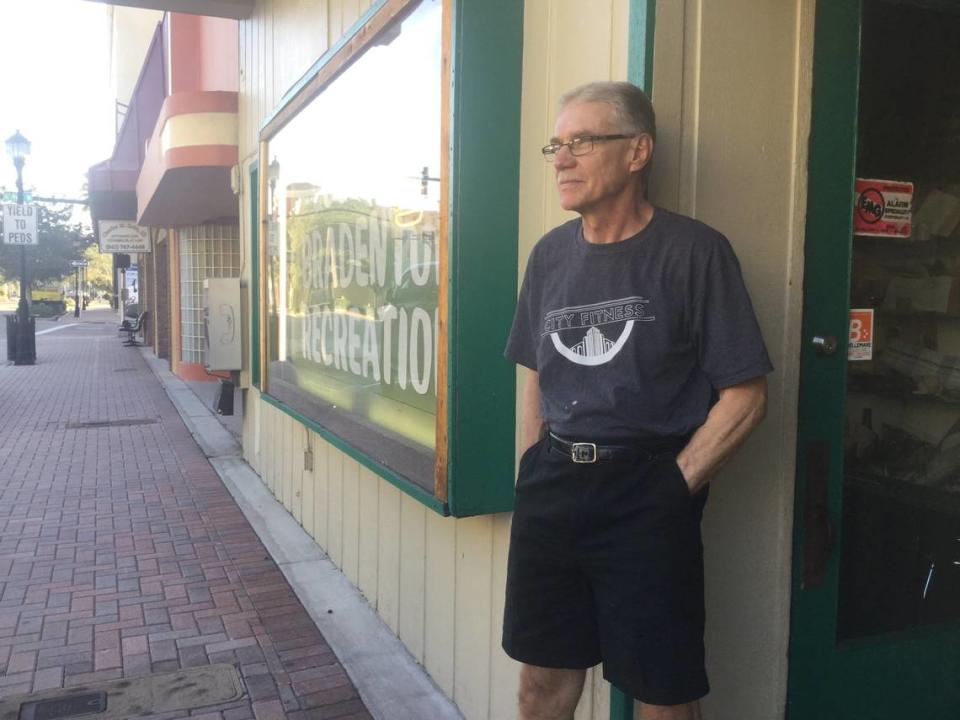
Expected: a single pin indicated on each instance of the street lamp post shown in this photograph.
(79, 266)
(76, 291)
(18, 147)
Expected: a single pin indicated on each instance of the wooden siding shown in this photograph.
(437, 582)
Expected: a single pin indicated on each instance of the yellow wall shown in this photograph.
(732, 83)
(732, 87)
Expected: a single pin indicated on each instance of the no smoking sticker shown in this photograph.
(883, 208)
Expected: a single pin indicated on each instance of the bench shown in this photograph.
(138, 326)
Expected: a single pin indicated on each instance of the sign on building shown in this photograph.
(123, 236)
(20, 224)
(132, 283)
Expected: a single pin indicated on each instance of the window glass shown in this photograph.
(352, 248)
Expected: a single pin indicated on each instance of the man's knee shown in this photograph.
(549, 693)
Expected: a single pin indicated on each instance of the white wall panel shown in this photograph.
(296, 469)
(321, 496)
(287, 467)
(413, 556)
(388, 556)
(369, 533)
(308, 488)
(504, 679)
(275, 439)
(351, 520)
(473, 616)
(334, 22)
(440, 601)
(301, 27)
(335, 461)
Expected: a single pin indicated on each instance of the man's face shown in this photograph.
(589, 182)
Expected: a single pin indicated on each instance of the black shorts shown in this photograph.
(606, 565)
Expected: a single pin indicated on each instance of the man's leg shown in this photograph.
(687, 711)
(549, 693)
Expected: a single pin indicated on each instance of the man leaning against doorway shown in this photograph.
(646, 371)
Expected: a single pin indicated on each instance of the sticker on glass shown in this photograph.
(883, 208)
(860, 346)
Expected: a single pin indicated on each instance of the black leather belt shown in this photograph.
(590, 452)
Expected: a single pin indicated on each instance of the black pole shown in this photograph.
(76, 292)
(116, 288)
(26, 350)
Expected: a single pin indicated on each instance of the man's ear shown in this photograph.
(642, 152)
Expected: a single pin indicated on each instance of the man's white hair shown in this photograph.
(631, 108)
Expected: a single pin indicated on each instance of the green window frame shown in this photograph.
(255, 275)
(476, 402)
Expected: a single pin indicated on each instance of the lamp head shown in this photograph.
(18, 147)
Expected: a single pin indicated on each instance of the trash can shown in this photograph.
(27, 355)
(223, 401)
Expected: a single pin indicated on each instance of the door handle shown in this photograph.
(824, 344)
(819, 530)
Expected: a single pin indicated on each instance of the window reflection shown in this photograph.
(352, 245)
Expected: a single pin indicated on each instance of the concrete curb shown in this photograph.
(391, 683)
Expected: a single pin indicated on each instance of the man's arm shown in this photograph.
(531, 422)
(736, 413)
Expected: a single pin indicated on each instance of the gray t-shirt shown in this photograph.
(634, 338)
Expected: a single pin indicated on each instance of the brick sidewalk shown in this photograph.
(122, 553)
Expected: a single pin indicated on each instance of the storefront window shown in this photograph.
(352, 249)
(900, 563)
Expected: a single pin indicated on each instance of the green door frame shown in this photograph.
(883, 677)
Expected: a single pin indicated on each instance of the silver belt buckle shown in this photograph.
(584, 452)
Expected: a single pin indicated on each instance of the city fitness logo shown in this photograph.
(594, 348)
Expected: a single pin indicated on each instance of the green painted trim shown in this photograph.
(621, 704)
(487, 57)
(323, 60)
(255, 275)
(643, 17)
(386, 473)
(643, 21)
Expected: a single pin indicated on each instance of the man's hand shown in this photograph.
(736, 413)
(531, 422)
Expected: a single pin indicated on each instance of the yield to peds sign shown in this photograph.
(20, 224)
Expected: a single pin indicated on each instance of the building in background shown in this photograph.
(390, 189)
(170, 171)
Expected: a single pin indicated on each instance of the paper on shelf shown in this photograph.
(939, 215)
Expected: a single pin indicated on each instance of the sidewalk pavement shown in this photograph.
(122, 553)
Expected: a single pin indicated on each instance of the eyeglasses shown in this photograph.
(578, 145)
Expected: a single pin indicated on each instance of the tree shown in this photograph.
(61, 243)
(99, 270)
